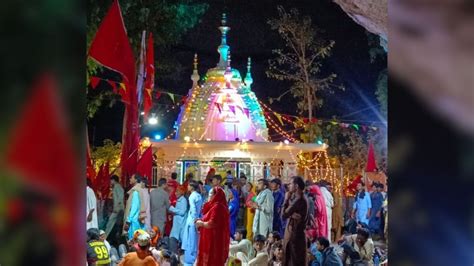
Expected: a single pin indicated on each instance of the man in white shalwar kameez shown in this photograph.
(263, 219)
(91, 208)
(329, 200)
(145, 195)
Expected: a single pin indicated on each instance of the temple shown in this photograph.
(222, 126)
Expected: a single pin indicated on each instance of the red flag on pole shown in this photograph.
(90, 167)
(149, 76)
(145, 164)
(111, 47)
(371, 165)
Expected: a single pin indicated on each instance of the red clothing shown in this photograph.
(173, 185)
(140, 258)
(214, 241)
(320, 216)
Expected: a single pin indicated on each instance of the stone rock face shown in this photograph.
(431, 49)
(370, 14)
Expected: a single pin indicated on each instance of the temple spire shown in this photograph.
(195, 76)
(248, 78)
(223, 48)
(228, 71)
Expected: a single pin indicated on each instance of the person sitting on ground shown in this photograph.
(362, 244)
(276, 254)
(143, 253)
(243, 245)
(315, 257)
(97, 253)
(330, 257)
(351, 257)
(272, 238)
(261, 258)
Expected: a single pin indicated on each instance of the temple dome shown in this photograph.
(222, 107)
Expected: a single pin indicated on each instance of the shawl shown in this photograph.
(320, 216)
(214, 241)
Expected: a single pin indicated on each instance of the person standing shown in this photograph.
(91, 207)
(320, 216)
(172, 186)
(160, 203)
(362, 205)
(179, 216)
(118, 200)
(329, 202)
(250, 212)
(214, 231)
(229, 177)
(295, 209)
(234, 206)
(278, 197)
(190, 235)
(132, 210)
(375, 220)
(263, 220)
(145, 214)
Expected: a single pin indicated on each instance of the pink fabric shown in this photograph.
(320, 216)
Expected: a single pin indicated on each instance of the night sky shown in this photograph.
(250, 35)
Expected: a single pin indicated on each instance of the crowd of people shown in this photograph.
(231, 221)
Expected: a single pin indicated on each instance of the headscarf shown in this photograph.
(320, 209)
(214, 242)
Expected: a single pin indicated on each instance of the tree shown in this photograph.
(167, 20)
(109, 152)
(300, 62)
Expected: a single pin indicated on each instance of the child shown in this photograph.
(277, 254)
(272, 238)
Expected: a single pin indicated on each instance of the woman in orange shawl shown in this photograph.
(214, 232)
(250, 213)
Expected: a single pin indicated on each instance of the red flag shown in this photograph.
(94, 82)
(352, 187)
(111, 47)
(97, 182)
(149, 76)
(158, 95)
(105, 182)
(371, 166)
(90, 167)
(145, 164)
(48, 165)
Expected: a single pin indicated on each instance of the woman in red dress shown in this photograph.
(214, 232)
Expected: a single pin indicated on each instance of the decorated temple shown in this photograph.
(222, 126)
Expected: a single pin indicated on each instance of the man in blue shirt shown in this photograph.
(278, 197)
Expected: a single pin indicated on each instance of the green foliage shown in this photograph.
(108, 152)
(167, 20)
(301, 60)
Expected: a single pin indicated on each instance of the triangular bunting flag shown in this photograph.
(364, 128)
(278, 116)
(94, 82)
(171, 96)
(158, 95)
(247, 112)
(219, 107)
(232, 109)
(334, 123)
(355, 126)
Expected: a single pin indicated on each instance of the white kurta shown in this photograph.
(263, 219)
(146, 198)
(329, 200)
(91, 204)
